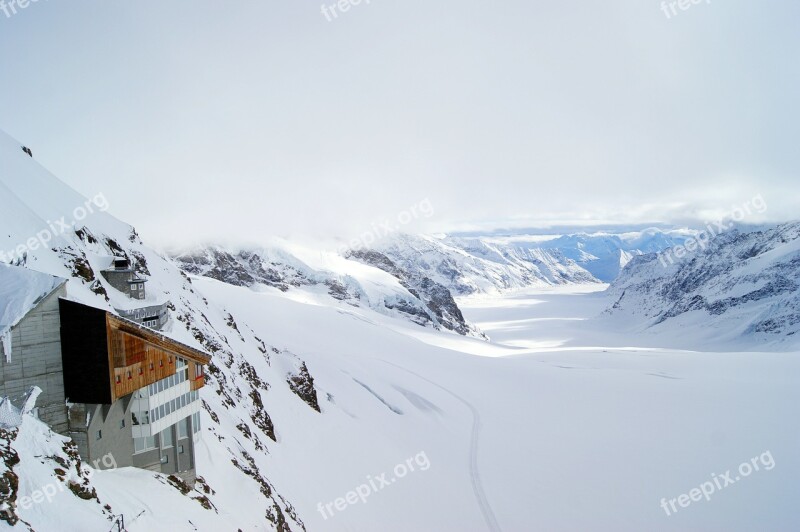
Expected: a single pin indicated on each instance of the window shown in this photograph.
(122, 423)
(164, 459)
(99, 435)
(180, 449)
(141, 286)
(141, 295)
(161, 411)
(141, 445)
(166, 437)
(196, 422)
(183, 428)
(133, 287)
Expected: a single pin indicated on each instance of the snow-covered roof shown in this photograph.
(21, 289)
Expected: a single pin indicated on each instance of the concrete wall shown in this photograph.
(178, 463)
(112, 422)
(138, 315)
(36, 360)
(119, 280)
(117, 440)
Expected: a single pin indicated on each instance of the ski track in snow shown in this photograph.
(477, 485)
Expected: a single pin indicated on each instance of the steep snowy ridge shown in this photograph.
(494, 263)
(604, 255)
(282, 373)
(46, 486)
(437, 298)
(245, 370)
(742, 286)
(469, 266)
(361, 281)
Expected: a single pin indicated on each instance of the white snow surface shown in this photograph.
(558, 423)
(21, 290)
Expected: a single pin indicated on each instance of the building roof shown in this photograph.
(156, 338)
(21, 289)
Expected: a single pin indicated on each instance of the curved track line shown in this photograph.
(477, 485)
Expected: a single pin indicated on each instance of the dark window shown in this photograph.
(122, 424)
(166, 437)
(99, 434)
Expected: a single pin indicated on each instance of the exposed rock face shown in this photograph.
(302, 384)
(437, 298)
(243, 269)
(746, 282)
(472, 265)
(421, 299)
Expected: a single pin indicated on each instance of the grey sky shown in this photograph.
(202, 119)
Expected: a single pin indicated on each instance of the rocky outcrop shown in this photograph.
(746, 282)
(421, 300)
(439, 303)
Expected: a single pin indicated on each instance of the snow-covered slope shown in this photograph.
(47, 227)
(492, 263)
(742, 287)
(605, 254)
(296, 410)
(474, 265)
(46, 486)
(311, 399)
(360, 279)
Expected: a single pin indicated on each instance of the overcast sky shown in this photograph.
(243, 119)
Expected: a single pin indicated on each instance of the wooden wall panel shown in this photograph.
(155, 364)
